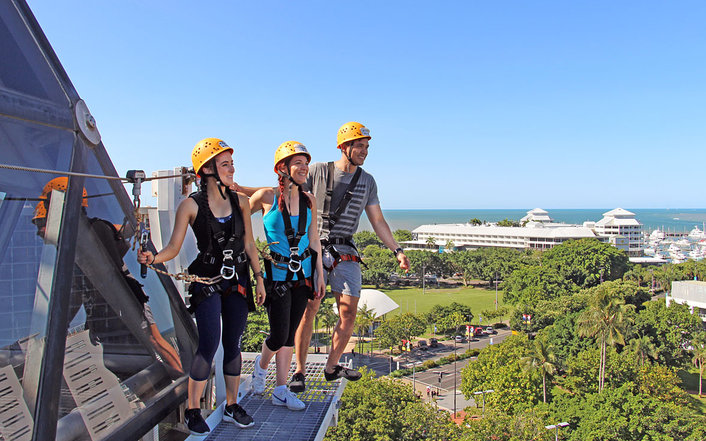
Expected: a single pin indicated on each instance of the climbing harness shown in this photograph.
(292, 263)
(329, 220)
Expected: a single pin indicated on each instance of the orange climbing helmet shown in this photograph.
(288, 149)
(207, 149)
(350, 131)
(60, 184)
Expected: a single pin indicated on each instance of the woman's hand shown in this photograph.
(260, 292)
(145, 257)
(320, 288)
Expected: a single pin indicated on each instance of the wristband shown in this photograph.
(398, 251)
(154, 257)
(257, 274)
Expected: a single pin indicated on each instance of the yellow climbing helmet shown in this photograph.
(207, 149)
(288, 149)
(350, 131)
(60, 184)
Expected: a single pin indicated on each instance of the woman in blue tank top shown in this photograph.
(288, 212)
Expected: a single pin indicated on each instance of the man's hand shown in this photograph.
(403, 260)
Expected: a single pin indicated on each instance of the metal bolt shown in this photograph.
(90, 121)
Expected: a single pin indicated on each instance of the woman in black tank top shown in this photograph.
(228, 298)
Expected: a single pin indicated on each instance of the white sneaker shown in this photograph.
(258, 378)
(282, 396)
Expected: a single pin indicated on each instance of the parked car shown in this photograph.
(433, 342)
(422, 344)
(460, 339)
(490, 330)
(478, 332)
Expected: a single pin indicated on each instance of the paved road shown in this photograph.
(382, 364)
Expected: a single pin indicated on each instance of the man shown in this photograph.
(339, 207)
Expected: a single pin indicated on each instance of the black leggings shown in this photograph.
(285, 312)
(234, 310)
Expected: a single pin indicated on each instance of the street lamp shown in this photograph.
(483, 392)
(556, 427)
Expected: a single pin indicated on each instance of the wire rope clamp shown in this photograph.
(228, 271)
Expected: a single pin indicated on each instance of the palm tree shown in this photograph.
(606, 319)
(699, 360)
(431, 242)
(541, 358)
(643, 348)
(363, 321)
(329, 319)
(699, 357)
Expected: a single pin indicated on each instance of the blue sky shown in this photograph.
(504, 104)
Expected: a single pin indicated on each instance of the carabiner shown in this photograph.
(227, 271)
(295, 263)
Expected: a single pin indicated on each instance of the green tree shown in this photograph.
(431, 242)
(365, 238)
(379, 264)
(402, 235)
(498, 368)
(475, 221)
(671, 329)
(643, 348)
(452, 321)
(381, 409)
(252, 337)
(587, 262)
(363, 322)
(607, 320)
(530, 285)
(508, 223)
(541, 358)
(699, 355)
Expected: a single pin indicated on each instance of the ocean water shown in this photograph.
(672, 220)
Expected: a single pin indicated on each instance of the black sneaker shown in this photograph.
(341, 372)
(195, 422)
(296, 384)
(235, 414)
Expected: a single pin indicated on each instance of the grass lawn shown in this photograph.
(412, 300)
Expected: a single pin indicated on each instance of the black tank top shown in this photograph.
(205, 226)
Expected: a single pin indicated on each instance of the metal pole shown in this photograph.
(454, 377)
(496, 290)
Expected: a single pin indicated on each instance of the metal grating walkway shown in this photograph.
(279, 423)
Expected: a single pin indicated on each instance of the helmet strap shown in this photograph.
(218, 181)
(348, 156)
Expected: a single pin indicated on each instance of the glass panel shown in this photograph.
(121, 350)
(23, 68)
(26, 265)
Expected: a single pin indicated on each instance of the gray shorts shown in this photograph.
(148, 319)
(346, 278)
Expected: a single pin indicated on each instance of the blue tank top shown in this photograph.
(274, 232)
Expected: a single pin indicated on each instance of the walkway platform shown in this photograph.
(279, 423)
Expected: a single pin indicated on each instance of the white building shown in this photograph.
(537, 215)
(622, 230)
(618, 227)
(692, 293)
(540, 235)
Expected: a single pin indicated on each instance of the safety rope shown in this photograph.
(189, 277)
(267, 256)
(138, 216)
(86, 175)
